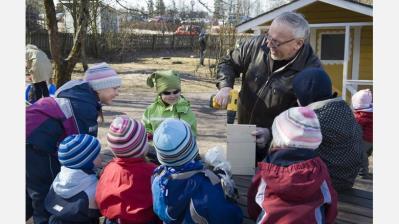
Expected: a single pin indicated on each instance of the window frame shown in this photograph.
(332, 32)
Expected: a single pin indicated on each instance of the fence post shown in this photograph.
(29, 38)
(173, 41)
(153, 41)
(192, 42)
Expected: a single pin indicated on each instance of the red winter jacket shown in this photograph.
(124, 191)
(298, 193)
(365, 119)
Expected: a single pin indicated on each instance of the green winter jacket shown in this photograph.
(158, 111)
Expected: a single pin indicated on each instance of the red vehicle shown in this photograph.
(193, 30)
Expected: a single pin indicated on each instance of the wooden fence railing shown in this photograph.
(109, 43)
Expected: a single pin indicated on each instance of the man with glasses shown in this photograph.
(268, 64)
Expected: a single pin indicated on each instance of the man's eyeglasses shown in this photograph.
(275, 43)
(169, 93)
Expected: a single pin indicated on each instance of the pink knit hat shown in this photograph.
(102, 76)
(363, 100)
(127, 137)
(297, 127)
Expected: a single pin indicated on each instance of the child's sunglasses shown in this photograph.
(169, 93)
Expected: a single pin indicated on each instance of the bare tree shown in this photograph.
(150, 6)
(258, 9)
(218, 13)
(73, 7)
(160, 8)
(63, 67)
(32, 19)
(92, 23)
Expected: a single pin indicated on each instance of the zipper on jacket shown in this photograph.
(262, 89)
(268, 80)
(51, 167)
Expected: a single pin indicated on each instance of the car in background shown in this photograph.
(192, 30)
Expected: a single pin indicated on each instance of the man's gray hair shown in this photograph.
(297, 21)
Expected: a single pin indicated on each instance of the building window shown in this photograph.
(331, 47)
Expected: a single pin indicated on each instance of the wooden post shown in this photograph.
(346, 61)
(173, 41)
(192, 42)
(153, 41)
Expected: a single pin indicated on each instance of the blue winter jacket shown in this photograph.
(191, 194)
(71, 198)
(84, 102)
(73, 111)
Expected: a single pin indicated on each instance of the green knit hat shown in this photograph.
(164, 80)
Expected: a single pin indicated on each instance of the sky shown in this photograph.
(263, 4)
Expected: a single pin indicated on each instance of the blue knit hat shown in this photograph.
(175, 143)
(78, 151)
(312, 85)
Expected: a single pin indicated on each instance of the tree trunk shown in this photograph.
(63, 68)
(83, 56)
(54, 40)
(75, 26)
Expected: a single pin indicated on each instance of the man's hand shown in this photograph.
(262, 136)
(222, 96)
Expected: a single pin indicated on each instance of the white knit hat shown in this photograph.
(363, 100)
(297, 127)
(102, 76)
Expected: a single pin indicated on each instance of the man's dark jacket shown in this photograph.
(264, 94)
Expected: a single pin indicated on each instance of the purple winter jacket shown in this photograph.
(50, 120)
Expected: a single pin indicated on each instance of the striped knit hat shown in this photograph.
(363, 101)
(127, 137)
(297, 127)
(79, 151)
(175, 143)
(102, 76)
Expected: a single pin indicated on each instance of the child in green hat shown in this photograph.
(169, 103)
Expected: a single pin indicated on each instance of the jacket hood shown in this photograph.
(312, 85)
(70, 182)
(294, 182)
(79, 91)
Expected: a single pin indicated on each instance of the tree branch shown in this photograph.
(131, 9)
(204, 5)
(80, 35)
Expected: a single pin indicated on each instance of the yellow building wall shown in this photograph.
(320, 12)
(335, 71)
(366, 55)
